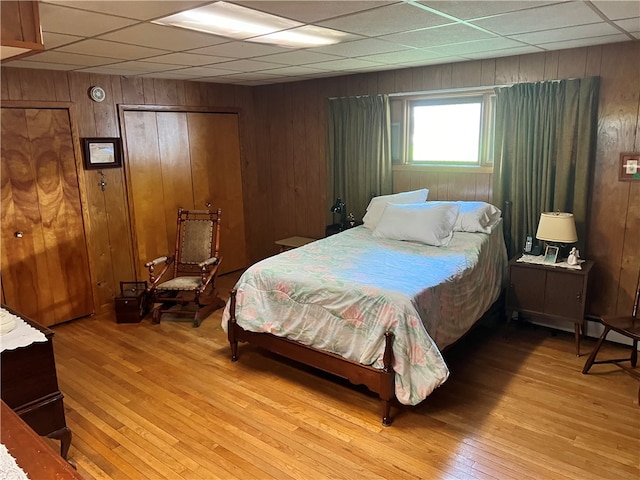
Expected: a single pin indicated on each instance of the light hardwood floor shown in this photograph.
(165, 402)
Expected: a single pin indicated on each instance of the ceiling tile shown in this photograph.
(507, 52)
(187, 59)
(70, 21)
(410, 55)
(205, 71)
(567, 33)
(369, 46)
(390, 19)
(618, 10)
(466, 10)
(298, 57)
(632, 25)
(346, 64)
(167, 38)
(585, 42)
(144, 67)
(141, 10)
(122, 51)
(240, 50)
(53, 40)
(478, 46)
(112, 70)
(40, 65)
(444, 35)
(246, 65)
(542, 18)
(312, 11)
(293, 70)
(55, 56)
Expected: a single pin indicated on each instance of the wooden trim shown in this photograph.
(442, 168)
(37, 104)
(177, 108)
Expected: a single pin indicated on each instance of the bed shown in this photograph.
(374, 310)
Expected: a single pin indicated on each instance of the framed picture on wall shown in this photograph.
(102, 153)
(629, 169)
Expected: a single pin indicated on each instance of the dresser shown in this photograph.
(30, 387)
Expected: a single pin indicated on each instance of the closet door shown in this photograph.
(188, 160)
(45, 266)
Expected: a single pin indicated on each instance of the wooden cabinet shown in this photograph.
(549, 292)
(30, 388)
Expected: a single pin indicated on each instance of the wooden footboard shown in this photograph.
(380, 381)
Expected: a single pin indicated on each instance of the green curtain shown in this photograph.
(359, 151)
(545, 144)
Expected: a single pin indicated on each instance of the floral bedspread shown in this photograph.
(341, 293)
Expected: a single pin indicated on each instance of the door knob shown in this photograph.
(18, 234)
(207, 204)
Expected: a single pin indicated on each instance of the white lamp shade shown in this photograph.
(557, 227)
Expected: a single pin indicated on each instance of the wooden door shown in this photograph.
(45, 266)
(188, 160)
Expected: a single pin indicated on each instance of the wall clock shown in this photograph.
(97, 94)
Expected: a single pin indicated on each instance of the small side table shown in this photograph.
(550, 292)
(293, 242)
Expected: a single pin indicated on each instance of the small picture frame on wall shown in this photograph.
(102, 153)
(629, 169)
(551, 254)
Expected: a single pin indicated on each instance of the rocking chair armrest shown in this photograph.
(208, 261)
(158, 260)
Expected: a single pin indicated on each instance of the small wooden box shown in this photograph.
(131, 305)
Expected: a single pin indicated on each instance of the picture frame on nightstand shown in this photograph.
(551, 254)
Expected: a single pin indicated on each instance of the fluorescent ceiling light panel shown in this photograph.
(228, 20)
(233, 21)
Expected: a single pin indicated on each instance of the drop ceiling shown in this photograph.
(119, 38)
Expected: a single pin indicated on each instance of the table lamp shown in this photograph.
(557, 229)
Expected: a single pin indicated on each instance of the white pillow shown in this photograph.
(418, 222)
(377, 204)
(475, 217)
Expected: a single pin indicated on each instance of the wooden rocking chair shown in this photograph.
(192, 289)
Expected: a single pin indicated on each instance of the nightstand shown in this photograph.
(549, 292)
(293, 242)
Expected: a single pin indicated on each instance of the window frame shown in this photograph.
(402, 126)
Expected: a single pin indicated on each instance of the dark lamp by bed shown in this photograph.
(341, 209)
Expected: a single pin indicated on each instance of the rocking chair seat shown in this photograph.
(187, 284)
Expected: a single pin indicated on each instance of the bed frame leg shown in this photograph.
(231, 328)
(387, 388)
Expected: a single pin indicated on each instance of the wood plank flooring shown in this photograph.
(165, 402)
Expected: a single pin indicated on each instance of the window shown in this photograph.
(444, 130)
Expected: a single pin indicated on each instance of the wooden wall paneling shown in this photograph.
(177, 184)
(404, 80)
(431, 78)
(447, 70)
(417, 78)
(443, 185)
(61, 86)
(24, 263)
(105, 113)
(594, 59)
(195, 93)
(488, 76)
(79, 84)
(507, 70)
(484, 188)
(572, 63)
(132, 90)
(531, 68)
(36, 84)
(12, 77)
(302, 189)
(466, 74)
(144, 178)
(618, 117)
(166, 91)
(217, 179)
(551, 60)
(630, 266)
(221, 94)
(149, 91)
(386, 82)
